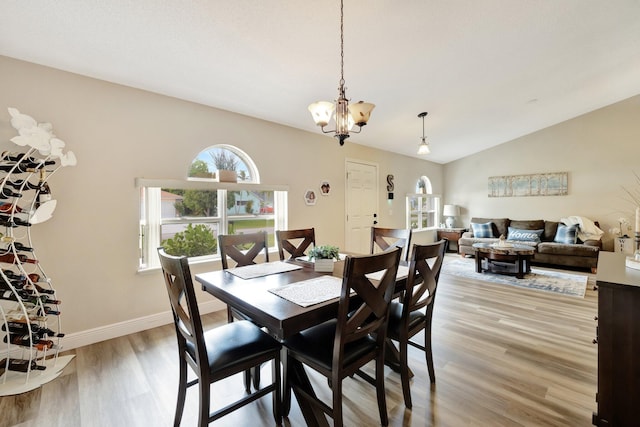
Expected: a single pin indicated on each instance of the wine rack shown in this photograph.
(30, 321)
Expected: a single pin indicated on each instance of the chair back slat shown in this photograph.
(293, 243)
(243, 249)
(424, 271)
(372, 297)
(384, 239)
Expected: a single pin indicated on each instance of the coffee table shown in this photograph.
(512, 259)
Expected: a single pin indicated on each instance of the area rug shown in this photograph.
(558, 282)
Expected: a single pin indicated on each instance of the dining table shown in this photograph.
(260, 292)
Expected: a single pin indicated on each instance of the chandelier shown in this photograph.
(423, 148)
(346, 116)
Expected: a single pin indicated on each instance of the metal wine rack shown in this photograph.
(29, 303)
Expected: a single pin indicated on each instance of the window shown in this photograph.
(423, 208)
(186, 217)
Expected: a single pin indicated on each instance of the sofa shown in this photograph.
(552, 240)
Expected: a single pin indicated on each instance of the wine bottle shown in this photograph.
(19, 184)
(36, 341)
(10, 258)
(23, 328)
(17, 156)
(21, 365)
(6, 192)
(10, 274)
(13, 221)
(14, 245)
(44, 192)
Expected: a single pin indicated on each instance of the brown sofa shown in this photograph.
(583, 255)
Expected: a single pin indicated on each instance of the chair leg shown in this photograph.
(277, 393)
(255, 373)
(247, 380)
(182, 392)
(428, 353)
(404, 372)
(380, 392)
(205, 397)
(336, 388)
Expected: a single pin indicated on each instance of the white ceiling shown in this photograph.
(486, 71)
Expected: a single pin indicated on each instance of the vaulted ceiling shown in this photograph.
(486, 71)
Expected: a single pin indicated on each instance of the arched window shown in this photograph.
(210, 161)
(423, 207)
(424, 186)
(186, 217)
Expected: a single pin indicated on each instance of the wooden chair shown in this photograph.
(387, 238)
(217, 353)
(243, 249)
(339, 348)
(294, 242)
(407, 318)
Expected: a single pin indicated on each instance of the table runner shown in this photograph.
(264, 269)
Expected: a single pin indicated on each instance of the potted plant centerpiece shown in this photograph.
(324, 256)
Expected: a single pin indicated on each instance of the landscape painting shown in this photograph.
(538, 184)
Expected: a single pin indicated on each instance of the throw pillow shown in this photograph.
(567, 234)
(524, 235)
(482, 230)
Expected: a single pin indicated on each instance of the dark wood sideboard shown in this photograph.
(618, 337)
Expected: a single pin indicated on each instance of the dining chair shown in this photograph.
(407, 318)
(384, 239)
(217, 353)
(294, 243)
(339, 347)
(243, 249)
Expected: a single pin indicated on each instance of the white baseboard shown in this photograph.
(92, 336)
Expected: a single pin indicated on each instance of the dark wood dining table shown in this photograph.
(281, 317)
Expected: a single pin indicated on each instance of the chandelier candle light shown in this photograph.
(345, 115)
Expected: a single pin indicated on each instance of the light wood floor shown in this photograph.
(504, 356)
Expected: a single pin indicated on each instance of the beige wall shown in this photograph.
(600, 150)
(90, 247)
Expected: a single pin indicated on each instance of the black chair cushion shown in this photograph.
(316, 344)
(235, 343)
(395, 317)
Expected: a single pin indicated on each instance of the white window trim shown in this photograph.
(151, 222)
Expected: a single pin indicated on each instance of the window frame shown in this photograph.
(151, 218)
(420, 212)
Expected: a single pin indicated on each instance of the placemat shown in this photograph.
(264, 269)
(311, 291)
(403, 273)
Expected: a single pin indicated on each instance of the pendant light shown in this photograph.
(423, 148)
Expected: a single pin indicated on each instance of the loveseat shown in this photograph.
(553, 241)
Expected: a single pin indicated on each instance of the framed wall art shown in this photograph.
(325, 188)
(310, 197)
(537, 184)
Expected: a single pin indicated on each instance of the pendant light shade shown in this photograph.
(423, 148)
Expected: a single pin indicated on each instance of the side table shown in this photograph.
(452, 235)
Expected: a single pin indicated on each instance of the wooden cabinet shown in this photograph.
(618, 339)
(452, 235)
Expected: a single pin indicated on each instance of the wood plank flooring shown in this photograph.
(504, 356)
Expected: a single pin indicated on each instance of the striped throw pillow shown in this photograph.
(482, 230)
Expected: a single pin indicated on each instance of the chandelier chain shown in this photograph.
(341, 42)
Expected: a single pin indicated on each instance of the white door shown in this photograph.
(362, 205)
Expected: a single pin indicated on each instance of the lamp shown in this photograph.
(423, 148)
(450, 211)
(345, 115)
